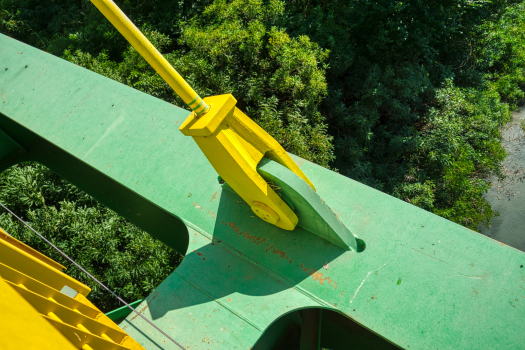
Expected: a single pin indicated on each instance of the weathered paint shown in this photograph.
(458, 289)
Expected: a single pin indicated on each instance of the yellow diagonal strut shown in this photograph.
(152, 55)
(232, 142)
(43, 308)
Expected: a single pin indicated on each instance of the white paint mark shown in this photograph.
(367, 275)
(109, 130)
(462, 275)
(358, 288)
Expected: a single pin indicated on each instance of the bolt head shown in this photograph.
(265, 212)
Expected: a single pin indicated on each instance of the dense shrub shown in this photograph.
(116, 252)
(501, 54)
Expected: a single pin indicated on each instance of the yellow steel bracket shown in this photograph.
(231, 141)
(234, 144)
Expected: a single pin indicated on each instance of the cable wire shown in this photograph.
(90, 275)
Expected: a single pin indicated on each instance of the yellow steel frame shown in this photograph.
(21, 326)
(31, 287)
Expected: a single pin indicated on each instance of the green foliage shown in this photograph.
(392, 67)
(502, 54)
(120, 255)
(458, 147)
(57, 25)
(279, 81)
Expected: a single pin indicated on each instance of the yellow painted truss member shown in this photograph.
(43, 308)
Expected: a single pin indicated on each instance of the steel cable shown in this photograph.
(90, 275)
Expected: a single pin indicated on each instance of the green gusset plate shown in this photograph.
(313, 213)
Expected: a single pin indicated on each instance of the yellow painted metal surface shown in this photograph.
(26, 263)
(128, 342)
(234, 144)
(21, 327)
(36, 254)
(16, 278)
(151, 54)
(31, 285)
(47, 307)
(80, 338)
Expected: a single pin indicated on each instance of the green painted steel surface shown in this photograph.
(421, 283)
(313, 213)
(91, 120)
(122, 312)
(9, 148)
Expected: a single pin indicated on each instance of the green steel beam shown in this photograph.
(9, 148)
(310, 330)
(122, 312)
(89, 166)
(421, 283)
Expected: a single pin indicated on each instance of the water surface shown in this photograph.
(508, 197)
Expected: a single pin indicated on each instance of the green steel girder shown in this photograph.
(421, 283)
(10, 150)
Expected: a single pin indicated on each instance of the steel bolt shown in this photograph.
(265, 212)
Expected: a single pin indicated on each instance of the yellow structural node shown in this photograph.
(43, 308)
(234, 144)
(21, 326)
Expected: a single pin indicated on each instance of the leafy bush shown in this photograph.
(502, 54)
(458, 147)
(120, 255)
(279, 81)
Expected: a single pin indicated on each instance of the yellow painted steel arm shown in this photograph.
(232, 142)
(39, 312)
(22, 327)
(151, 54)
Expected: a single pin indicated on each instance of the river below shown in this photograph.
(508, 196)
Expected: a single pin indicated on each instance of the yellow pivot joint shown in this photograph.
(234, 144)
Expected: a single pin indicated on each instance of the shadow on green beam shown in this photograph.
(9, 148)
(208, 258)
(336, 332)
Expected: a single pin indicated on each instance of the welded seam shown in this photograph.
(218, 301)
(272, 273)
